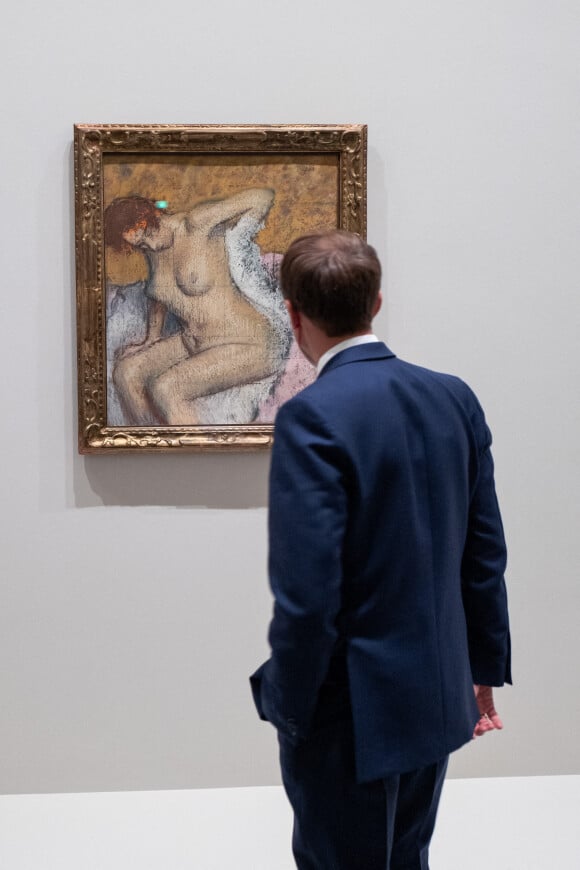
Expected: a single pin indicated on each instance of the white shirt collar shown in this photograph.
(343, 345)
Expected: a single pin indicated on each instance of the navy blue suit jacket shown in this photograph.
(387, 554)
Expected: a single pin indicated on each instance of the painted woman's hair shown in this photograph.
(123, 214)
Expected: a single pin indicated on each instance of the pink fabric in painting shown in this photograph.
(297, 373)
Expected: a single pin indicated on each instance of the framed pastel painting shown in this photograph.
(182, 335)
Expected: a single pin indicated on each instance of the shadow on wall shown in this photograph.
(217, 480)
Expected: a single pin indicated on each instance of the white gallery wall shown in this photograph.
(133, 591)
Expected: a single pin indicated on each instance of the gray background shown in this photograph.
(134, 600)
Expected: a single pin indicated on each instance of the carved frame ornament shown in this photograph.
(93, 146)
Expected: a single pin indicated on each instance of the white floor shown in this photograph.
(530, 823)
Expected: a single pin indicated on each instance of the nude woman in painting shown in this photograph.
(204, 268)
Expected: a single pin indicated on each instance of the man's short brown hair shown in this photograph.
(333, 278)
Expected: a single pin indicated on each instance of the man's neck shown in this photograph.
(327, 342)
(343, 343)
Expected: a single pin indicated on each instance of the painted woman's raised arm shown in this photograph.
(255, 201)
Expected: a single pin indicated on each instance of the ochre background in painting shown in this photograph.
(306, 187)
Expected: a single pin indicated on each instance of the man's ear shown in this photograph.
(378, 304)
(293, 314)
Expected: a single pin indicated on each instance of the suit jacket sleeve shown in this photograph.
(307, 516)
(482, 574)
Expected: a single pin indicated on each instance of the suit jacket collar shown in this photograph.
(359, 353)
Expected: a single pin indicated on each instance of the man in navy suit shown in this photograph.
(386, 561)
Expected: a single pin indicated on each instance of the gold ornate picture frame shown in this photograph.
(182, 337)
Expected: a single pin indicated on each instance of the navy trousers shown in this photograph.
(340, 824)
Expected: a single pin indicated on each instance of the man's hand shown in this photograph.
(489, 719)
